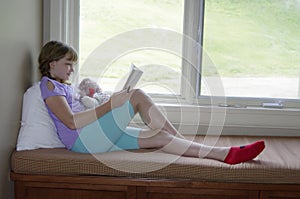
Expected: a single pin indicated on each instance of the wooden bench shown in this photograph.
(59, 173)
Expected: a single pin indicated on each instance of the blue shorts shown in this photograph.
(109, 133)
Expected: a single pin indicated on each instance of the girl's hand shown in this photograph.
(119, 98)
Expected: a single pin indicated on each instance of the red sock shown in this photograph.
(244, 153)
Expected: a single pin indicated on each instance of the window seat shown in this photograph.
(141, 172)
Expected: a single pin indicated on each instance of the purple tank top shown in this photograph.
(66, 135)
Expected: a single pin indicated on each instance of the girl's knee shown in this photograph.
(138, 97)
(137, 93)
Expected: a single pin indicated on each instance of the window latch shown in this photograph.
(272, 104)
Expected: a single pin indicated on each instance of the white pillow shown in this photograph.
(37, 128)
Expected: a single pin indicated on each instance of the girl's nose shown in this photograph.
(72, 68)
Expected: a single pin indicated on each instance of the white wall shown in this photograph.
(20, 41)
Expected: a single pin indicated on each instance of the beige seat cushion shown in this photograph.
(279, 163)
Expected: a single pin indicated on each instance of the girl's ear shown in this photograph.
(52, 64)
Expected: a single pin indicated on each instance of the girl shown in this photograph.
(105, 127)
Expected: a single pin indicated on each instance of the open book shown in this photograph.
(133, 77)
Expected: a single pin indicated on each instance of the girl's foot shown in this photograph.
(240, 154)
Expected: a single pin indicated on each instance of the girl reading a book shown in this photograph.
(105, 127)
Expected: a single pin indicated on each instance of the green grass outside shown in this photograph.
(253, 37)
(104, 19)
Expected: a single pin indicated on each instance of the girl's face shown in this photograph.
(62, 69)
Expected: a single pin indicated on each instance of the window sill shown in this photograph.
(215, 120)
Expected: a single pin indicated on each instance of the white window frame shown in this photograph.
(61, 22)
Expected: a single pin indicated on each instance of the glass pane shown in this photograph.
(116, 33)
(253, 48)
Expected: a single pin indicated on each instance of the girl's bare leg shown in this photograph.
(165, 136)
(178, 146)
(150, 113)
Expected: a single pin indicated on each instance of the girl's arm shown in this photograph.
(61, 109)
(59, 106)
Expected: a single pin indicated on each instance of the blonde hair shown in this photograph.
(54, 51)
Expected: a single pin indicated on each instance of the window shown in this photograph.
(224, 81)
(132, 30)
(254, 47)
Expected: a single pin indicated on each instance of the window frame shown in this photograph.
(61, 22)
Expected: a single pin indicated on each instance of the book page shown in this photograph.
(133, 78)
